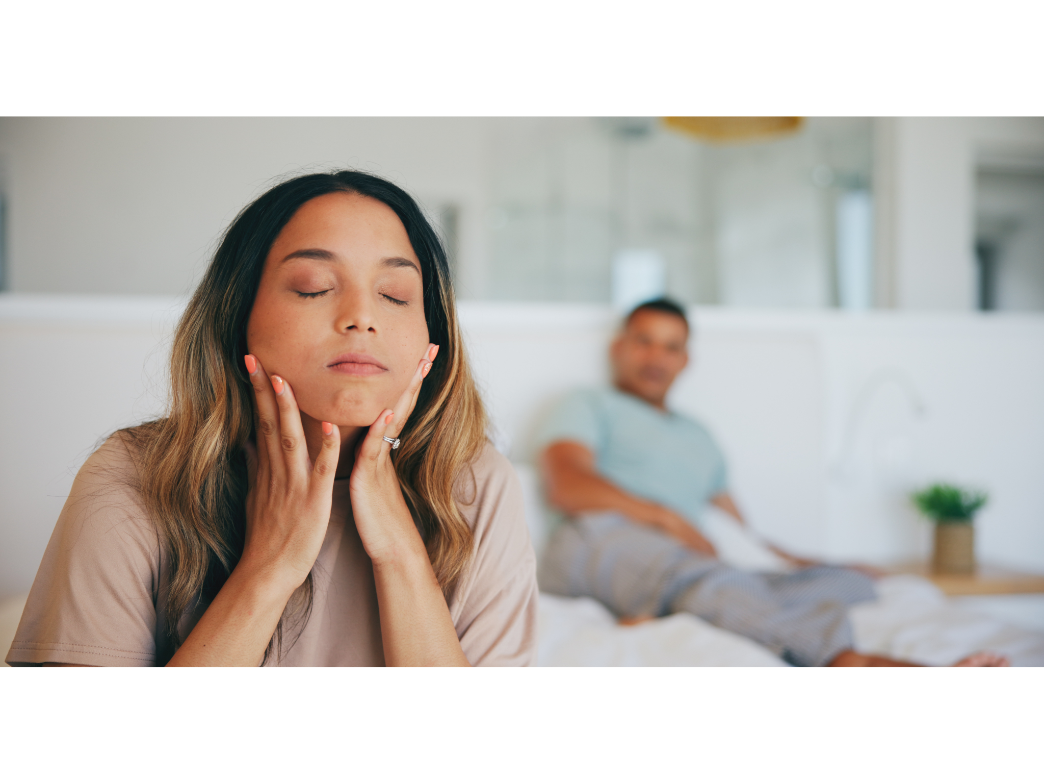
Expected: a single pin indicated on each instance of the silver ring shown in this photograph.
(393, 441)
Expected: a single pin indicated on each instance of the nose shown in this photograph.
(356, 312)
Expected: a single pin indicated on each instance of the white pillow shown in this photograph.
(737, 545)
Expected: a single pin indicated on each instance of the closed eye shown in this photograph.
(312, 294)
(393, 300)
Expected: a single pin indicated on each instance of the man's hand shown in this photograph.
(675, 525)
(575, 486)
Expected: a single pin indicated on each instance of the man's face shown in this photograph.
(649, 354)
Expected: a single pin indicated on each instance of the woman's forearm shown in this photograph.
(238, 625)
(416, 627)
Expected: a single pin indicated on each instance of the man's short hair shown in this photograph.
(660, 305)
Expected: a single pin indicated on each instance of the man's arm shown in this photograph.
(575, 486)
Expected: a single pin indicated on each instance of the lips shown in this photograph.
(356, 364)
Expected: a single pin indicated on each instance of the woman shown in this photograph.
(321, 491)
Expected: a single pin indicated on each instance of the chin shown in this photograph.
(355, 413)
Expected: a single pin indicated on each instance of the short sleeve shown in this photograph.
(93, 599)
(494, 609)
(718, 478)
(575, 418)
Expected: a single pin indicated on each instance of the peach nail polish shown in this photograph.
(327, 428)
(388, 418)
(277, 384)
(433, 352)
(424, 372)
(251, 363)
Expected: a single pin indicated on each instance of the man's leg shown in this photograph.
(625, 566)
(636, 571)
(803, 625)
(823, 582)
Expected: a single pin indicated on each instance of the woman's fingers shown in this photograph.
(326, 461)
(408, 400)
(373, 445)
(268, 449)
(291, 439)
(250, 452)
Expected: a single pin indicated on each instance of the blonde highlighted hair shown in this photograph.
(191, 463)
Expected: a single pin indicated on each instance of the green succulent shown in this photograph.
(946, 503)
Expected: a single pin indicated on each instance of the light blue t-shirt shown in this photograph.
(660, 456)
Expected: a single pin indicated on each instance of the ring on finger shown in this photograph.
(393, 441)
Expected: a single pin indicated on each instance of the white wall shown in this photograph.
(135, 206)
(778, 389)
(925, 202)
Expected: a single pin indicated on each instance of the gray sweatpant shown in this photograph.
(634, 570)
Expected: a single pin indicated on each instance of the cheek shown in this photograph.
(275, 335)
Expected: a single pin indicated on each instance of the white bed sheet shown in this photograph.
(910, 620)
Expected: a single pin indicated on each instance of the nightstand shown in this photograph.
(987, 580)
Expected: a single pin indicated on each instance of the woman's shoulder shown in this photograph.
(489, 465)
(105, 501)
(116, 457)
(113, 467)
(490, 494)
(93, 599)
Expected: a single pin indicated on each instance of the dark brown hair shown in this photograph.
(661, 305)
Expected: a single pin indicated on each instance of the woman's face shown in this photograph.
(339, 312)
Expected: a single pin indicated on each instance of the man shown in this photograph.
(633, 477)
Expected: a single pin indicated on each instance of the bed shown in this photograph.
(911, 618)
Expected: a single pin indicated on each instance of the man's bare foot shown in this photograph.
(852, 658)
(984, 659)
(636, 620)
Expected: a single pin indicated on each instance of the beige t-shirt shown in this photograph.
(104, 574)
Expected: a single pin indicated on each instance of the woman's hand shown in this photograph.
(287, 512)
(381, 515)
(416, 628)
(289, 501)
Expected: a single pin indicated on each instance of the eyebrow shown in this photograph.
(396, 262)
(318, 254)
(312, 252)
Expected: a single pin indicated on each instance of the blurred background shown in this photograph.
(868, 293)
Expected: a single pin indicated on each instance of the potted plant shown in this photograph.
(952, 509)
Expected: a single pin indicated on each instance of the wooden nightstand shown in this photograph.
(987, 580)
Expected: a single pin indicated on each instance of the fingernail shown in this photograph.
(433, 352)
(388, 418)
(424, 372)
(327, 428)
(277, 384)
(251, 363)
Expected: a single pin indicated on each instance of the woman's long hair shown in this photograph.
(191, 463)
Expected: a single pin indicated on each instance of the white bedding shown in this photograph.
(911, 620)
